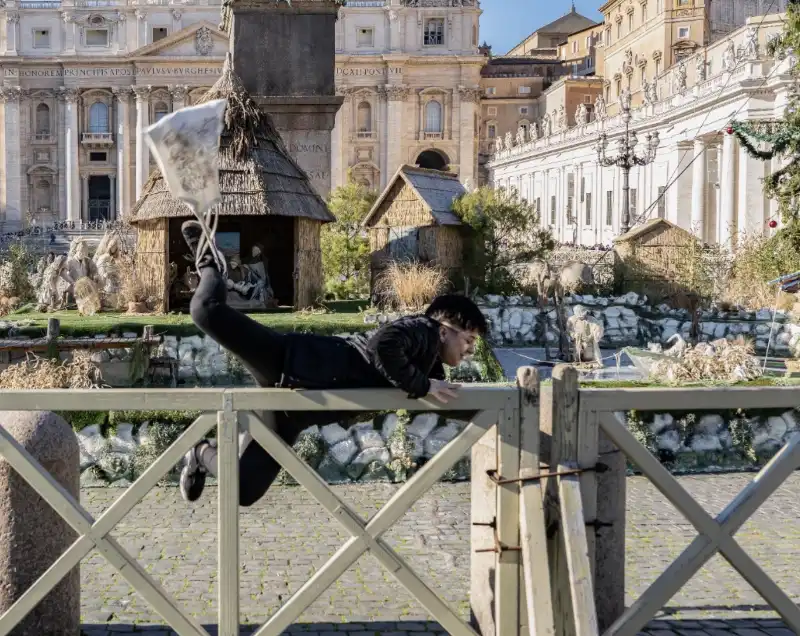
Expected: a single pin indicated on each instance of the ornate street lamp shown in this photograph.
(626, 159)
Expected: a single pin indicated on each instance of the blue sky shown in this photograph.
(505, 23)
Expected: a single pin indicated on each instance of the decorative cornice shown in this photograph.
(10, 93)
(142, 93)
(469, 94)
(12, 17)
(394, 93)
(123, 93)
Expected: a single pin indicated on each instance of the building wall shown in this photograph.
(409, 98)
(712, 187)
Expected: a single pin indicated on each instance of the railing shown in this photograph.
(366, 134)
(581, 417)
(232, 412)
(43, 138)
(432, 135)
(97, 138)
(38, 4)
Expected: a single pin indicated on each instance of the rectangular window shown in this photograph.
(588, 42)
(537, 207)
(96, 37)
(523, 110)
(619, 30)
(570, 197)
(434, 32)
(583, 189)
(491, 131)
(588, 208)
(609, 207)
(574, 46)
(683, 32)
(365, 37)
(644, 12)
(491, 90)
(159, 33)
(662, 203)
(632, 204)
(587, 99)
(98, 156)
(41, 38)
(552, 210)
(630, 22)
(492, 111)
(524, 90)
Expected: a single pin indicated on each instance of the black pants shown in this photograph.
(261, 351)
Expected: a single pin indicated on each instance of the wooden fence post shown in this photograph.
(610, 537)
(564, 448)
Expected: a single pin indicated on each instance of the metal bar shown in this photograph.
(71, 511)
(701, 398)
(228, 519)
(714, 537)
(507, 531)
(366, 540)
(395, 508)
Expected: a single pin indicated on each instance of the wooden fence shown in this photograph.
(496, 425)
(590, 435)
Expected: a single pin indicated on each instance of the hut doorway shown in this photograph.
(99, 197)
(432, 160)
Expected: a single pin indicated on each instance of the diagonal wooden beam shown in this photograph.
(81, 521)
(715, 535)
(366, 536)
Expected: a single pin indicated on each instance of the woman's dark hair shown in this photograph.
(459, 311)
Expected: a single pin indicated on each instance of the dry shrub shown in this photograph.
(718, 361)
(758, 260)
(86, 296)
(133, 287)
(410, 286)
(47, 373)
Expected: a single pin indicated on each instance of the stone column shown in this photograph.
(699, 188)
(142, 122)
(753, 208)
(10, 96)
(123, 204)
(112, 209)
(178, 96)
(12, 31)
(396, 96)
(300, 93)
(467, 98)
(71, 133)
(727, 185)
(141, 28)
(69, 32)
(85, 206)
(339, 140)
(61, 138)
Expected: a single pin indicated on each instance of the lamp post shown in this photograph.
(627, 158)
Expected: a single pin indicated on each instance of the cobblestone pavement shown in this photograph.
(287, 535)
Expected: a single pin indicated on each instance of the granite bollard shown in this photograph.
(32, 534)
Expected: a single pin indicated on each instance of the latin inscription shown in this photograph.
(350, 72)
(145, 71)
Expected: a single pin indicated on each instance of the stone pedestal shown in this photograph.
(285, 56)
(32, 534)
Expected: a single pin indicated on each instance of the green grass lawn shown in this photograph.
(341, 317)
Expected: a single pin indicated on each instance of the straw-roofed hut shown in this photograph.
(267, 202)
(651, 258)
(413, 220)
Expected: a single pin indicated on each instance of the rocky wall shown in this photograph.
(630, 320)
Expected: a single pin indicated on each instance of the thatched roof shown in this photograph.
(653, 225)
(436, 189)
(257, 176)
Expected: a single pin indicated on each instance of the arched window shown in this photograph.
(98, 118)
(364, 119)
(433, 117)
(43, 198)
(42, 119)
(160, 110)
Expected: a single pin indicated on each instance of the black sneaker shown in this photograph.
(193, 475)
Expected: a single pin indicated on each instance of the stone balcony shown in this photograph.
(432, 135)
(43, 138)
(97, 139)
(366, 134)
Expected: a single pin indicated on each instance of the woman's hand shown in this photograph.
(443, 391)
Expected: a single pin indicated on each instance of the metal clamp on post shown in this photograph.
(498, 547)
(498, 479)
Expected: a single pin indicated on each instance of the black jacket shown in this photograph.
(402, 354)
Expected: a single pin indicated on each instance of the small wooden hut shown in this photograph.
(267, 202)
(654, 258)
(413, 220)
